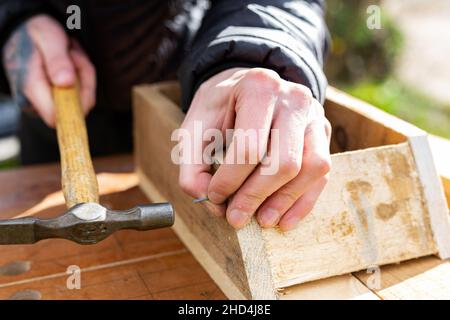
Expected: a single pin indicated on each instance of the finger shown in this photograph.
(283, 164)
(194, 180)
(38, 91)
(194, 176)
(255, 99)
(87, 77)
(302, 206)
(53, 45)
(315, 164)
(321, 114)
(328, 130)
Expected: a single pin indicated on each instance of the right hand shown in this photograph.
(39, 55)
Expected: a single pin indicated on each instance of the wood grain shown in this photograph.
(78, 180)
(370, 213)
(123, 266)
(440, 148)
(424, 278)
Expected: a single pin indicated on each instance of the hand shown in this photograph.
(39, 54)
(259, 99)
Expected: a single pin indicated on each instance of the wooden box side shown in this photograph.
(366, 128)
(370, 213)
(358, 125)
(155, 119)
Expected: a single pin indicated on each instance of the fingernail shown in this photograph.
(63, 77)
(238, 218)
(289, 224)
(216, 198)
(269, 218)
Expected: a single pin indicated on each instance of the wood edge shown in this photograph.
(433, 193)
(371, 112)
(440, 148)
(191, 242)
(343, 287)
(254, 253)
(156, 91)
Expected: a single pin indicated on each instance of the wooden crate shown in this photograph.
(384, 202)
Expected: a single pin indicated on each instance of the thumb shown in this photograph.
(53, 44)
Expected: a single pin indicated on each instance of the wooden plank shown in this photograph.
(440, 148)
(433, 194)
(340, 287)
(424, 278)
(257, 262)
(427, 277)
(370, 213)
(358, 125)
(382, 214)
(121, 280)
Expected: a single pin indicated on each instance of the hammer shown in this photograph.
(86, 221)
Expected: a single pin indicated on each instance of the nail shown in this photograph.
(216, 197)
(199, 200)
(238, 218)
(268, 218)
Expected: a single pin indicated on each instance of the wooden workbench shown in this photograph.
(128, 265)
(154, 264)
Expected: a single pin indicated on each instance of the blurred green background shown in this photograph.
(362, 62)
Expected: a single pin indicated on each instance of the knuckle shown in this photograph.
(289, 168)
(248, 154)
(204, 88)
(317, 165)
(322, 166)
(301, 94)
(308, 206)
(287, 195)
(187, 185)
(222, 187)
(262, 78)
(328, 126)
(249, 200)
(202, 92)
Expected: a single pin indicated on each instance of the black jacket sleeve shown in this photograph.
(12, 14)
(287, 36)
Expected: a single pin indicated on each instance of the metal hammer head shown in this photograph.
(86, 223)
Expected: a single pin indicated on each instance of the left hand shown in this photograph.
(259, 99)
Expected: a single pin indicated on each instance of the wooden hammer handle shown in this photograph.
(78, 179)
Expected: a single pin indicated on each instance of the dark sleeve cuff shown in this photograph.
(253, 47)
